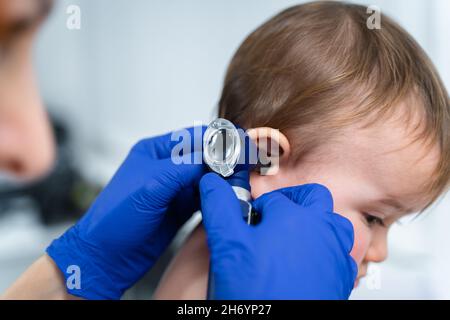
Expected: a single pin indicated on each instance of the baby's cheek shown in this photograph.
(361, 242)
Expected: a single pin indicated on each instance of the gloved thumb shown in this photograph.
(319, 199)
(313, 196)
(221, 211)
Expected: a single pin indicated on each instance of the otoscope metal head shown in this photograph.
(227, 149)
(230, 152)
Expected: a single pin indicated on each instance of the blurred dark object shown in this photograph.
(63, 195)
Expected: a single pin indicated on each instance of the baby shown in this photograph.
(360, 111)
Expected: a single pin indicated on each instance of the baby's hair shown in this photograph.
(302, 68)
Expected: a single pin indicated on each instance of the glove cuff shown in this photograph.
(82, 277)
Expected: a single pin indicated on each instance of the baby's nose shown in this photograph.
(378, 251)
(26, 148)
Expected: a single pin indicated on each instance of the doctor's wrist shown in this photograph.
(77, 263)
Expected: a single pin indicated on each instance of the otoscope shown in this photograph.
(229, 151)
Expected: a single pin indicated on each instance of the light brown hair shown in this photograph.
(299, 71)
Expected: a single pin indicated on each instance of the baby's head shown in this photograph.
(360, 111)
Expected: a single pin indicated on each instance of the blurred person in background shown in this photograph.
(27, 148)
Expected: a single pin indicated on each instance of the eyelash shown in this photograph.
(372, 220)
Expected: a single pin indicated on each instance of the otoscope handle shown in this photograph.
(241, 187)
(240, 182)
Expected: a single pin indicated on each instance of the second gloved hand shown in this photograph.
(300, 250)
(133, 220)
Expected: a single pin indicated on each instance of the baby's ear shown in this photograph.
(273, 148)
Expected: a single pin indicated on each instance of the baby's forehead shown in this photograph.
(390, 154)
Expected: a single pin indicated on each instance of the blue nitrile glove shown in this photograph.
(134, 218)
(300, 250)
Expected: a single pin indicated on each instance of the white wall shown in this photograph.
(138, 68)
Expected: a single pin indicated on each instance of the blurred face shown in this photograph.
(376, 175)
(26, 143)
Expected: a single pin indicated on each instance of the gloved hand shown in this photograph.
(134, 218)
(300, 250)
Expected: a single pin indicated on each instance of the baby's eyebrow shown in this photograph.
(395, 204)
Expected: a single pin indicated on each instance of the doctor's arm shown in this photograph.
(42, 281)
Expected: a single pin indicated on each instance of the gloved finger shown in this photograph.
(344, 231)
(221, 211)
(271, 205)
(314, 196)
(173, 144)
(172, 180)
(345, 235)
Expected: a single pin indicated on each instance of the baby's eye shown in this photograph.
(373, 220)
